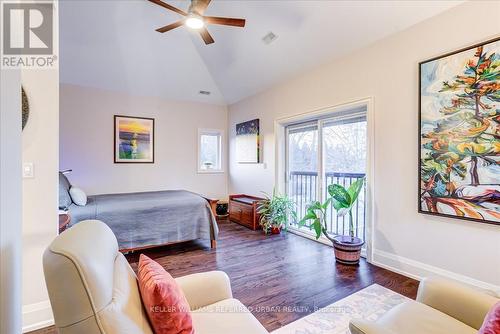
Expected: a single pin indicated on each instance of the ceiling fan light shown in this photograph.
(195, 22)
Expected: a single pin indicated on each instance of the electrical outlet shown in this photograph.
(28, 170)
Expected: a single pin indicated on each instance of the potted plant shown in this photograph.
(347, 247)
(274, 213)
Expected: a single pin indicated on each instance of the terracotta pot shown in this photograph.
(275, 230)
(347, 249)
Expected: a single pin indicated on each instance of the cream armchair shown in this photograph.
(442, 307)
(93, 290)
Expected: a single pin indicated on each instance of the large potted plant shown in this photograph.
(274, 212)
(347, 247)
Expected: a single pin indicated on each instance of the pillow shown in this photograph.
(64, 197)
(491, 324)
(78, 196)
(165, 303)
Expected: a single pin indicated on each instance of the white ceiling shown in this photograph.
(112, 44)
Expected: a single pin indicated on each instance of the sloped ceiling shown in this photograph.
(112, 44)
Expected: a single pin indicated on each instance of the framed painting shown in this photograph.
(459, 134)
(247, 142)
(134, 139)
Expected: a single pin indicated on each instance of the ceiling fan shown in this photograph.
(195, 19)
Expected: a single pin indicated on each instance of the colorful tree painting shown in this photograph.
(460, 134)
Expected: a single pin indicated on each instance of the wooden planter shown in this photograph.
(347, 250)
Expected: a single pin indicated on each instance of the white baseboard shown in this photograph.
(37, 316)
(419, 270)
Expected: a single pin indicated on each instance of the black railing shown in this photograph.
(302, 189)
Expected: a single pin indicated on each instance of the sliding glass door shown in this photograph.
(322, 152)
(303, 161)
(344, 152)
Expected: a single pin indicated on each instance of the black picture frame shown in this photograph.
(132, 161)
(419, 189)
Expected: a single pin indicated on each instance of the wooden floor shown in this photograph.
(275, 271)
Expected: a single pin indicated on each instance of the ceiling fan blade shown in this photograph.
(167, 6)
(170, 26)
(199, 6)
(206, 36)
(227, 21)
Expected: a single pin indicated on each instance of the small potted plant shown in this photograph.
(347, 247)
(274, 213)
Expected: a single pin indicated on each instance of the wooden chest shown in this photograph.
(243, 210)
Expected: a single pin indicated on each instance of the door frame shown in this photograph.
(280, 131)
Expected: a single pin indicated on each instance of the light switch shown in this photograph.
(28, 171)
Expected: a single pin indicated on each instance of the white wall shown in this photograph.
(10, 202)
(40, 146)
(40, 194)
(86, 142)
(413, 243)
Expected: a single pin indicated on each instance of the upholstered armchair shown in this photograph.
(93, 289)
(442, 307)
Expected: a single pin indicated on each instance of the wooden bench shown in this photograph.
(243, 210)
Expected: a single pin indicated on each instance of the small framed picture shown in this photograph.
(134, 139)
(248, 142)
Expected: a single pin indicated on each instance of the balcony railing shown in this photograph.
(302, 190)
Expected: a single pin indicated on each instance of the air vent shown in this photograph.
(204, 92)
(269, 38)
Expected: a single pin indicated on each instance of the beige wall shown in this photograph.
(40, 139)
(40, 194)
(412, 243)
(10, 202)
(86, 142)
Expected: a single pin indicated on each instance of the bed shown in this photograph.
(149, 219)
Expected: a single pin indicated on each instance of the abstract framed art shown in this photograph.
(248, 142)
(134, 139)
(459, 134)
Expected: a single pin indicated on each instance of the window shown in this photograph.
(209, 151)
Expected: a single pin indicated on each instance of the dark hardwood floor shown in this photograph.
(276, 271)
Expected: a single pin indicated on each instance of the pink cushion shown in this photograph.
(166, 305)
(491, 324)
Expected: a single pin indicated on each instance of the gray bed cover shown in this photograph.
(150, 218)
